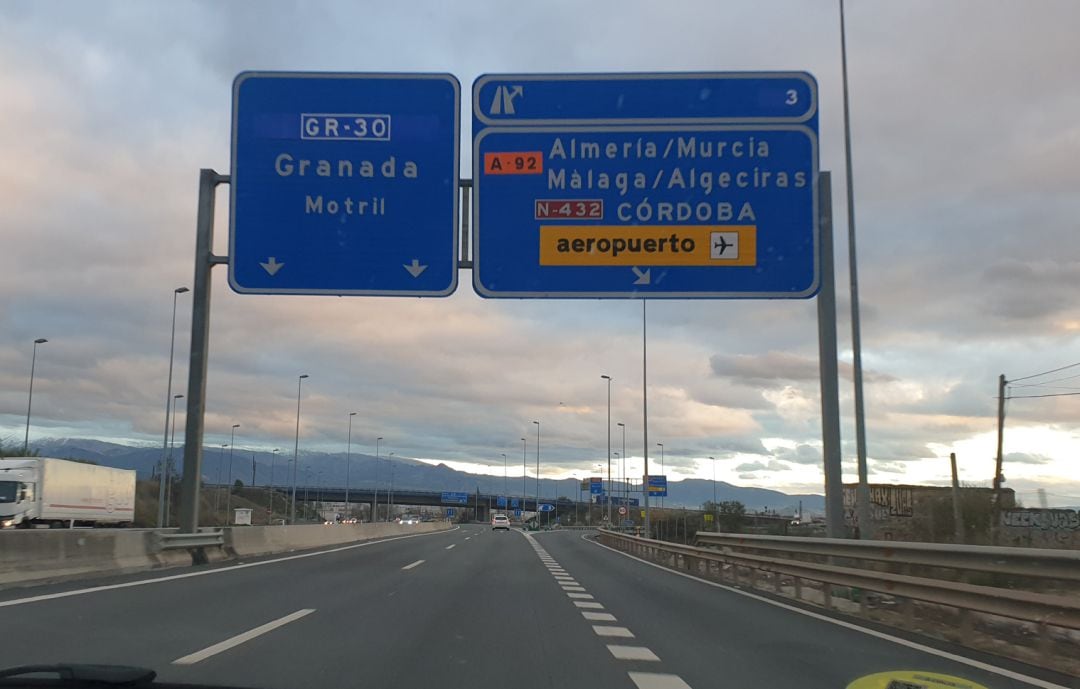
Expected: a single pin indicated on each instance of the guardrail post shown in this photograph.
(907, 607)
(1044, 642)
(965, 624)
(776, 581)
(798, 587)
(826, 596)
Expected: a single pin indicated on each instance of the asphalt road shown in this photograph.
(461, 609)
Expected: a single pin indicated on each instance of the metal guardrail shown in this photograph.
(1038, 563)
(202, 539)
(756, 571)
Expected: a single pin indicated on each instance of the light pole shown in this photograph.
(390, 495)
(524, 476)
(169, 463)
(348, 458)
(716, 525)
(608, 494)
(273, 461)
(662, 472)
(616, 453)
(229, 480)
(537, 472)
(375, 516)
(30, 397)
(296, 449)
(622, 464)
(220, 471)
(168, 401)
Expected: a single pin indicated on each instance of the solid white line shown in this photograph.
(632, 652)
(598, 616)
(589, 604)
(1033, 681)
(207, 572)
(583, 596)
(657, 680)
(451, 546)
(605, 630)
(241, 638)
(415, 564)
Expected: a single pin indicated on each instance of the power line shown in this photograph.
(1053, 370)
(1049, 387)
(1056, 394)
(1047, 382)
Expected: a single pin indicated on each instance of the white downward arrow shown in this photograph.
(272, 266)
(415, 269)
(642, 278)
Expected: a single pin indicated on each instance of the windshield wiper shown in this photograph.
(101, 674)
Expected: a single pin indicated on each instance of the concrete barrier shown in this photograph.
(41, 555)
(264, 540)
(53, 554)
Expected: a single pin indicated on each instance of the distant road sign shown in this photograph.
(344, 183)
(547, 507)
(517, 513)
(500, 501)
(450, 511)
(455, 498)
(658, 486)
(596, 485)
(514, 502)
(646, 185)
(622, 510)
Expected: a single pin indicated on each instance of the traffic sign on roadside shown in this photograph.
(344, 184)
(500, 501)
(658, 486)
(622, 510)
(596, 485)
(450, 511)
(547, 507)
(646, 185)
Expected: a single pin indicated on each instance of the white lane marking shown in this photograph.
(415, 564)
(241, 638)
(568, 582)
(1033, 681)
(589, 604)
(583, 596)
(598, 616)
(468, 537)
(605, 630)
(657, 680)
(206, 572)
(632, 653)
(573, 588)
(451, 546)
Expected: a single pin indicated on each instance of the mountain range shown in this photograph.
(329, 469)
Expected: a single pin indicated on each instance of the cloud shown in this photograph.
(800, 454)
(1025, 458)
(771, 465)
(773, 369)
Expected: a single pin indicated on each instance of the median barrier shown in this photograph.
(42, 555)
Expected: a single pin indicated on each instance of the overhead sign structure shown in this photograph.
(513, 502)
(500, 501)
(658, 486)
(344, 184)
(698, 185)
(454, 498)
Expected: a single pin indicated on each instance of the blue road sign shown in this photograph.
(646, 185)
(513, 502)
(596, 485)
(658, 486)
(500, 501)
(344, 184)
(517, 513)
(450, 511)
(547, 507)
(455, 498)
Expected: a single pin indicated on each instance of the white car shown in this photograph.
(500, 521)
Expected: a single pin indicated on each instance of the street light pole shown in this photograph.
(228, 481)
(30, 397)
(169, 463)
(662, 472)
(390, 495)
(168, 401)
(608, 495)
(273, 461)
(375, 516)
(220, 471)
(296, 449)
(622, 465)
(537, 503)
(506, 479)
(524, 474)
(716, 525)
(348, 458)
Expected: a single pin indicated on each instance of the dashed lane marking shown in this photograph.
(657, 680)
(598, 616)
(593, 605)
(415, 564)
(632, 653)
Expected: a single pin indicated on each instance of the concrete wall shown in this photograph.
(40, 555)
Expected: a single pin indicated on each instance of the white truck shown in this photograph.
(40, 491)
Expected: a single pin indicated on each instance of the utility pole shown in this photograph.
(957, 517)
(998, 478)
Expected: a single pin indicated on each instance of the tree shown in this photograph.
(237, 486)
(730, 514)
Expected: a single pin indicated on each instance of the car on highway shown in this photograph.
(500, 521)
(409, 519)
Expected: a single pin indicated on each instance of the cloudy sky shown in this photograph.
(966, 135)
